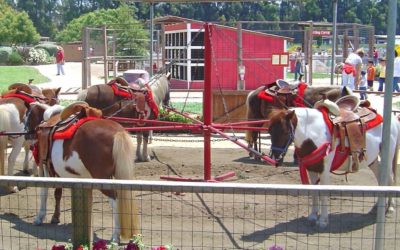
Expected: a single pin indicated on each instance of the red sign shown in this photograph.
(321, 32)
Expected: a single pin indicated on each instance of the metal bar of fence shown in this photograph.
(202, 187)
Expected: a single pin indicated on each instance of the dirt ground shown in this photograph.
(208, 221)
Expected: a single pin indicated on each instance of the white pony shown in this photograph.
(307, 128)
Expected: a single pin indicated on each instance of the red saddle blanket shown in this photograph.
(25, 97)
(128, 94)
(70, 131)
(298, 100)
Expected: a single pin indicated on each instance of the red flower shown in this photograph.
(58, 247)
(131, 246)
(80, 248)
(100, 245)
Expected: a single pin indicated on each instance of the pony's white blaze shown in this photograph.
(76, 167)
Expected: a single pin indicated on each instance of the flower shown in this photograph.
(100, 245)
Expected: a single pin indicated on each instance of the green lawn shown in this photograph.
(13, 74)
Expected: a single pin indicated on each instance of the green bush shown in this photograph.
(5, 53)
(15, 59)
(23, 52)
(49, 47)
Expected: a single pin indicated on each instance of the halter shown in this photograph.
(283, 150)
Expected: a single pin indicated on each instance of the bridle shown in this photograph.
(283, 150)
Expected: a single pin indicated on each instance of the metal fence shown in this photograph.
(205, 215)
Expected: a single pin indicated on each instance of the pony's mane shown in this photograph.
(276, 115)
(41, 105)
(159, 85)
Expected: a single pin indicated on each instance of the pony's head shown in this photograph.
(37, 113)
(282, 125)
(51, 96)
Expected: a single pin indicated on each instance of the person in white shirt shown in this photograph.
(351, 74)
(396, 72)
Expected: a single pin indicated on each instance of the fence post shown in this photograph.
(81, 217)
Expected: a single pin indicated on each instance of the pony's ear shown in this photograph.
(57, 91)
(289, 114)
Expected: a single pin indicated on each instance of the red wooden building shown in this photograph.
(261, 57)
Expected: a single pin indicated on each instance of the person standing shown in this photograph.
(375, 56)
(382, 73)
(396, 72)
(363, 86)
(351, 74)
(298, 63)
(370, 75)
(60, 61)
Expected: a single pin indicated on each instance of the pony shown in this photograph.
(258, 108)
(316, 149)
(14, 106)
(98, 148)
(113, 101)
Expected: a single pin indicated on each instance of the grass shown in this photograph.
(13, 74)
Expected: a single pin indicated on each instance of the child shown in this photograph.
(363, 85)
(382, 73)
(370, 75)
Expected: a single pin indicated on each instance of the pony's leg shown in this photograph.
(374, 166)
(313, 217)
(26, 159)
(116, 231)
(139, 139)
(56, 216)
(43, 207)
(145, 155)
(16, 149)
(43, 200)
(324, 218)
(150, 137)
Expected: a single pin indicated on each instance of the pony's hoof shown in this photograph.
(54, 220)
(13, 189)
(115, 239)
(37, 222)
(322, 223)
(26, 172)
(390, 211)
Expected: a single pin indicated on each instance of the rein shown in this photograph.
(283, 150)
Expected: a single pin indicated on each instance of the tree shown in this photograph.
(16, 27)
(130, 34)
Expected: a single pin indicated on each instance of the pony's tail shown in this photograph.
(124, 162)
(4, 126)
(82, 95)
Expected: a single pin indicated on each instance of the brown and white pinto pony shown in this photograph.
(312, 136)
(99, 148)
(259, 108)
(103, 97)
(14, 106)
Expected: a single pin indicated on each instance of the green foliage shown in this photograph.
(49, 47)
(132, 39)
(16, 27)
(5, 53)
(15, 59)
(38, 56)
(172, 117)
(13, 74)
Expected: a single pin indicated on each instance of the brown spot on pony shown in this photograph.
(259, 109)
(130, 103)
(98, 148)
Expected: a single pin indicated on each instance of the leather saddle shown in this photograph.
(282, 92)
(132, 92)
(350, 121)
(57, 123)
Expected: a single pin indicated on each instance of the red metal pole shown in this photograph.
(207, 101)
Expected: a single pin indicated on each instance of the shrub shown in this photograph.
(23, 52)
(5, 53)
(15, 59)
(49, 47)
(38, 56)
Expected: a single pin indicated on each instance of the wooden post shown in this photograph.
(81, 217)
(105, 54)
(310, 54)
(356, 37)
(85, 35)
(371, 41)
(240, 82)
